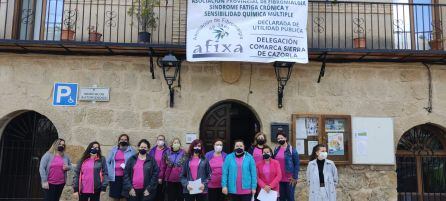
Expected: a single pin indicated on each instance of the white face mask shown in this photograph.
(322, 155)
(218, 148)
(160, 143)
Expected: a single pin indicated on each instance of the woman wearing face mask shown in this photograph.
(322, 175)
(90, 175)
(141, 175)
(289, 163)
(174, 159)
(269, 173)
(53, 170)
(157, 152)
(239, 177)
(216, 159)
(196, 167)
(256, 149)
(117, 157)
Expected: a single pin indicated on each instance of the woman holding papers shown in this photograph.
(269, 173)
(239, 177)
(174, 159)
(117, 157)
(322, 175)
(216, 159)
(196, 173)
(289, 164)
(141, 175)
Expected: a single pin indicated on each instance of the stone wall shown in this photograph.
(139, 105)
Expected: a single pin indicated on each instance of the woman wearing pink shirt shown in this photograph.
(257, 146)
(239, 178)
(116, 159)
(141, 175)
(90, 176)
(216, 159)
(157, 152)
(53, 170)
(196, 167)
(268, 171)
(289, 164)
(174, 159)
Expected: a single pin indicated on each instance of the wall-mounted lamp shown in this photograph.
(171, 68)
(283, 73)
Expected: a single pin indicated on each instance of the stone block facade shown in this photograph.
(139, 105)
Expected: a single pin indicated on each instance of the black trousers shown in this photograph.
(235, 197)
(140, 196)
(174, 191)
(160, 193)
(54, 192)
(196, 197)
(215, 194)
(90, 196)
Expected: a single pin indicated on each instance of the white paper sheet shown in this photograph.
(300, 146)
(362, 143)
(311, 144)
(301, 131)
(195, 187)
(264, 196)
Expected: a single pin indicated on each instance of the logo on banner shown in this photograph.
(222, 39)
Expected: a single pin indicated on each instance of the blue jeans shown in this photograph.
(286, 191)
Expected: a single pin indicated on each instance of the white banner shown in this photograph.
(247, 30)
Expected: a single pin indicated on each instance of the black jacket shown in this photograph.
(204, 173)
(151, 171)
(100, 175)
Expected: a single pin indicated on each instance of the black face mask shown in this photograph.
(239, 152)
(282, 142)
(61, 148)
(197, 151)
(142, 151)
(261, 141)
(93, 151)
(123, 143)
(266, 156)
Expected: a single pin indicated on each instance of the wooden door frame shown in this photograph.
(419, 158)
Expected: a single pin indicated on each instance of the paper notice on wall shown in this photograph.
(301, 131)
(361, 143)
(300, 146)
(336, 144)
(311, 144)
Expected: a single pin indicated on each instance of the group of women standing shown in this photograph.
(165, 172)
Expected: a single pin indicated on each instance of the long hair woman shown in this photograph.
(53, 170)
(322, 175)
(289, 163)
(257, 146)
(116, 159)
(90, 175)
(196, 167)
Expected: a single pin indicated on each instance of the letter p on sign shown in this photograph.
(65, 94)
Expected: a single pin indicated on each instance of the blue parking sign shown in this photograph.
(65, 94)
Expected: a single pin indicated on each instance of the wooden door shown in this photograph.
(216, 124)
